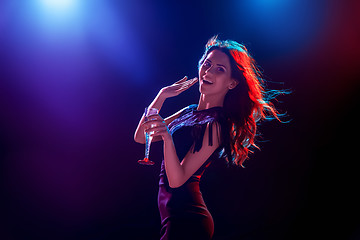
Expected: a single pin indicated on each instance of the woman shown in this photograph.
(222, 125)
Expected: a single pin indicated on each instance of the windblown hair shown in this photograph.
(246, 104)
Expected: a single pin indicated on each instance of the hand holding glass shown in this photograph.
(148, 113)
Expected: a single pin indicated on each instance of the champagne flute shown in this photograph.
(148, 113)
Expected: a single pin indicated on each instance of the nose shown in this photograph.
(209, 69)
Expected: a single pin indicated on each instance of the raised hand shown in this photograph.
(178, 87)
(166, 92)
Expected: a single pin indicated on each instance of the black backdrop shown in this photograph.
(67, 176)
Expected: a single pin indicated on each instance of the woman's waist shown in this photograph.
(180, 200)
(192, 182)
(189, 193)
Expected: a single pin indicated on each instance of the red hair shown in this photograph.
(246, 104)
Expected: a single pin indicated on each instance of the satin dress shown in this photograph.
(183, 212)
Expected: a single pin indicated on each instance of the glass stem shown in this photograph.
(147, 145)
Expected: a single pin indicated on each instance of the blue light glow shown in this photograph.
(58, 10)
(59, 5)
(282, 25)
(87, 29)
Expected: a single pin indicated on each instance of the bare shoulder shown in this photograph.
(171, 118)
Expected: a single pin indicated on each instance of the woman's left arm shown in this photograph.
(179, 172)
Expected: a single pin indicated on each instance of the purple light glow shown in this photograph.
(75, 77)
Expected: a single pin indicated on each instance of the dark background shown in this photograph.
(75, 77)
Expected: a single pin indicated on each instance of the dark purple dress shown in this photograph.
(183, 212)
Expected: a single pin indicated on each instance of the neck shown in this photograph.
(206, 102)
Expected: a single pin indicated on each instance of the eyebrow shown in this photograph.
(216, 64)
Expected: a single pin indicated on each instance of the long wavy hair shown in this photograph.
(245, 105)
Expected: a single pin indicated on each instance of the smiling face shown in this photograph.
(215, 74)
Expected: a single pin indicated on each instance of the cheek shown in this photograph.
(223, 82)
(223, 79)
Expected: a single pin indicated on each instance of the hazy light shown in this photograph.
(60, 5)
(84, 30)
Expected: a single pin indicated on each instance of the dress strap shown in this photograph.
(199, 132)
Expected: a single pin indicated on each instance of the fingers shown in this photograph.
(154, 117)
(181, 80)
(157, 129)
(193, 81)
(187, 84)
(153, 121)
(178, 87)
(162, 131)
(185, 81)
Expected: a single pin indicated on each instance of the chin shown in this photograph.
(203, 90)
(207, 92)
(211, 91)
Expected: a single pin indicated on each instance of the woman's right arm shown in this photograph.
(166, 92)
(139, 135)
